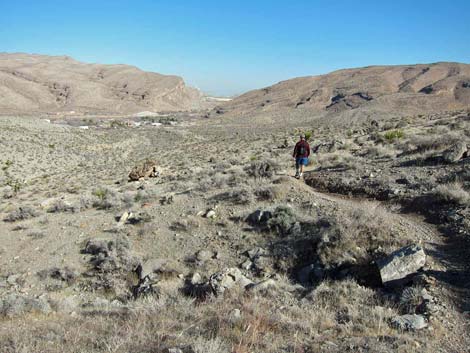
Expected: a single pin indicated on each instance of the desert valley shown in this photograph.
(139, 215)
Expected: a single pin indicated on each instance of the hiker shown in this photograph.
(301, 153)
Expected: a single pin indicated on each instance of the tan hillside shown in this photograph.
(40, 83)
(399, 89)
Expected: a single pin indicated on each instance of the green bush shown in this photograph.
(100, 193)
(308, 135)
(283, 220)
(394, 135)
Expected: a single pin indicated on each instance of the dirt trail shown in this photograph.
(447, 263)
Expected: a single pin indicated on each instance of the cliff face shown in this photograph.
(40, 83)
(405, 89)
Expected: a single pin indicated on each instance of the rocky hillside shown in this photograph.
(410, 89)
(40, 83)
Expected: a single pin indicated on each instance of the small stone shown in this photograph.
(210, 214)
(204, 255)
(247, 265)
(196, 279)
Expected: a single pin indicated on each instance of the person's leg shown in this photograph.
(297, 168)
(304, 163)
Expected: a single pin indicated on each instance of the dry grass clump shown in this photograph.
(262, 169)
(232, 177)
(339, 160)
(239, 323)
(270, 193)
(393, 135)
(452, 193)
(105, 199)
(430, 142)
(381, 151)
(350, 308)
(236, 197)
(21, 213)
(62, 206)
(358, 236)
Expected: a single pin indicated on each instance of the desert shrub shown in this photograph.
(21, 213)
(308, 135)
(347, 303)
(117, 124)
(105, 199)
(144, 196)
(394, 135)
(36, 234)
(265, 194)
(262, 169)
(381, 151)
(338, 160)
(411, 298)
(452, 193)
(426, 143)
(15, 184)
(215, 345)
(237, 197)
(283, 220)
(61, 206)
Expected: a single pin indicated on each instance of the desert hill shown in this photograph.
(41, 83)
(408, 89)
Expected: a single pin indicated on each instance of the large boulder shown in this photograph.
(147, 169)
(400, 265)
(455, 153)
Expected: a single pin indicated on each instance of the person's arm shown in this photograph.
(295, 150)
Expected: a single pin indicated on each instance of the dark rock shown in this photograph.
(259, 218)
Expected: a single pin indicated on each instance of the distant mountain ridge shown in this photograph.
(39, 83)
(401, 88)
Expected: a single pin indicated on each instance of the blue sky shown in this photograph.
(226, 48)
